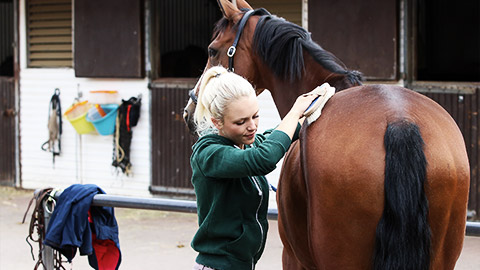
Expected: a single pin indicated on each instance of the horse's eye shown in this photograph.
(212, 52)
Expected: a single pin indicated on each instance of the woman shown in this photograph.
(229, 162)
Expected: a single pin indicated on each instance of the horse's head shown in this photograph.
(271, 53)
(230, 48)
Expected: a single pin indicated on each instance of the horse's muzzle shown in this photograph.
(188, 119)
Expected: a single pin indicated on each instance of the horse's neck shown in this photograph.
(284, 94)
(316, 74)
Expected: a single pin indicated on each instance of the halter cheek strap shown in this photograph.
(231, 51)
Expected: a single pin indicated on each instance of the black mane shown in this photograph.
(276, 37)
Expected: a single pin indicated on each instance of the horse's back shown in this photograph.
(344, 167)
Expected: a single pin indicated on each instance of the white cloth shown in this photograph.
(325, 92)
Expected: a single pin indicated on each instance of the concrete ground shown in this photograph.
(149, 239)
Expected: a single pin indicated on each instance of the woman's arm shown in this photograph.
(225, 161)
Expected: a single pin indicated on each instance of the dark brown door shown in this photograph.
(363, 34)
(108, 38)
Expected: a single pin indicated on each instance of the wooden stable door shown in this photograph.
(7, 94)
(171, 142)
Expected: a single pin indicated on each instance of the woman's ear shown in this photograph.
(217, 123)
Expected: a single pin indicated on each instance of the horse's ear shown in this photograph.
(228, 9)
(243, 4)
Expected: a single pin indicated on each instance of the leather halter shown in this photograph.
(193, 96)
(231, 51)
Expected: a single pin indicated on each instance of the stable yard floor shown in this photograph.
(148, 239)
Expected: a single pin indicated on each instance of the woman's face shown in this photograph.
(240, 121)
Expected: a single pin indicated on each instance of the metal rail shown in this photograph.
(153, 204)
(472, 228)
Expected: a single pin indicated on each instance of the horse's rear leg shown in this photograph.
(448, 196)
(448, 235)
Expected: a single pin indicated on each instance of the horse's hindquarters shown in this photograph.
(344, 158)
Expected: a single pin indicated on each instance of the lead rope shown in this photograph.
(54, 127)
(127, 117)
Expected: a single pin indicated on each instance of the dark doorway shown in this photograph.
(6, 38)
(448, 40)
(181, 32)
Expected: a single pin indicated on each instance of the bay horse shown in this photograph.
(379, 181)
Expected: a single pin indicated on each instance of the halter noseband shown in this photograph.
(231, 51)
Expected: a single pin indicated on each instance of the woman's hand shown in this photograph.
(290, 121)
(302, 103)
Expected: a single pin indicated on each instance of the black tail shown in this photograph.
(403, 234)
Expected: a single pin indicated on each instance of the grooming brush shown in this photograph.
(325, 92)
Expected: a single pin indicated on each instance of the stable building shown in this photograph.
(156, 49)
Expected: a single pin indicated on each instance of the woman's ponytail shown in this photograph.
(217, 89)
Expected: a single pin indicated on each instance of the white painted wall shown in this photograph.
(85, 158)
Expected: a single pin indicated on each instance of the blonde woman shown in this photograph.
(229, 164)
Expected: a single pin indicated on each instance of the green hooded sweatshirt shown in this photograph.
(232, 197)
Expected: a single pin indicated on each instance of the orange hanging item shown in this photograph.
(100, 110)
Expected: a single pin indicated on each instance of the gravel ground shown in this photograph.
(149, 239)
